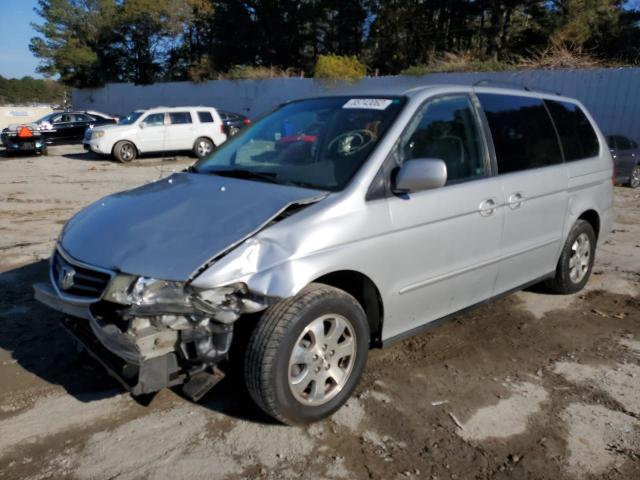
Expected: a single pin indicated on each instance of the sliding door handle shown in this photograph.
(516, 200)
(488, 207)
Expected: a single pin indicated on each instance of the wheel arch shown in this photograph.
(208, 137)
(365, 291)
(593, 218)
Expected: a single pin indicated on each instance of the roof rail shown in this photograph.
(485, 81)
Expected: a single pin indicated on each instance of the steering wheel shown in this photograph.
(351, 142)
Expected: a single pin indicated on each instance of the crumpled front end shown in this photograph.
(148, 333)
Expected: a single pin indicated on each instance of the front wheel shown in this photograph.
(125, 152)
(576, 261)
(307, 354)
(634, 179)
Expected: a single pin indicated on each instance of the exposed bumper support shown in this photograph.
(160, 366)
(148, 377)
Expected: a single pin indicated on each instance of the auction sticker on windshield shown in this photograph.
(368, 103)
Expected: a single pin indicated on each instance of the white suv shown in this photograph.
(198, 129)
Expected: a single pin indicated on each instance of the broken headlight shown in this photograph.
(149, 291)
(150, 297)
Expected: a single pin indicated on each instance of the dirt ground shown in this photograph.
(533, 386)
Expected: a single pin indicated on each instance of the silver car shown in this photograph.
(328, 227)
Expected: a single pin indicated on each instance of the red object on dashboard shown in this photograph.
(297, 138)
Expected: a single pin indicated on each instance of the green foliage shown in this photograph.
(555, 57)
(339, 67)
(459, 62)
(248, 72)
(90, 42)
(30, 90)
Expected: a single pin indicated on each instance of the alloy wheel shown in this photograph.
(126, 152)
(203, 148)
(322, 359)
(580, 258)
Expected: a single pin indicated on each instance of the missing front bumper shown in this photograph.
(189, 359)
(150, 376)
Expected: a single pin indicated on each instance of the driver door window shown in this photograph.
(154, 120)
(446, 128)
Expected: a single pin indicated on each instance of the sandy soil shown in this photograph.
(531, 386)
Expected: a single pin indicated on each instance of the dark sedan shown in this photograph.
(233, 122)
(626, 155)
(69, 127)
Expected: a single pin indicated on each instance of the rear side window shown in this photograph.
(576, 133)
(180, 117)
(623, 143)
(522, 132)
(205, 117)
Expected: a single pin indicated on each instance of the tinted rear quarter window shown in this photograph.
(623, 143)
(522, 132)
(180, 117)
(577, 136)
(205, 117)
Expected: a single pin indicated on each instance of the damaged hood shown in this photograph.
(170, 228)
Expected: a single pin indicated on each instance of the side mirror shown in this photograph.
(420, 174)
(142, 125)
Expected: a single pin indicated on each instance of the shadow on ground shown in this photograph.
(86, 156)
(32, 334)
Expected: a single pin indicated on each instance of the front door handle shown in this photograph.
(516, 200)
(488, 207)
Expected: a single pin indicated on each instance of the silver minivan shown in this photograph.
(328, 227)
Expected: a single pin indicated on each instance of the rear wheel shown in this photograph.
(307, 355)
(634, 180)
(203, 147)
(576, 260)
(125, 151)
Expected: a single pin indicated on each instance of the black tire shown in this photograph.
(634, 179)
(563, 282)
(125, 151)
(202, 147)
(269, 350)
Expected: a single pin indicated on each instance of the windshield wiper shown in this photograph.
(246, 174)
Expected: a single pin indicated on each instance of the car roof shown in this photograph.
(175, 109)
(426, 90)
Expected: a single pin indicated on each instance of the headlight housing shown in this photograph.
(97, 134)
(151, 297)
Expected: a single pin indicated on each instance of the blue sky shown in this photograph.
(16, 60)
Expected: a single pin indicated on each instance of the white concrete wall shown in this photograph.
(611, 95)
(9, 115)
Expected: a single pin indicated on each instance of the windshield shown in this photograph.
(131, 118)
(318, 143)
(46, 118)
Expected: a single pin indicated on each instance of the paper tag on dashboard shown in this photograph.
(368, 103)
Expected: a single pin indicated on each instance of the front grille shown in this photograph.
(77, 280)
